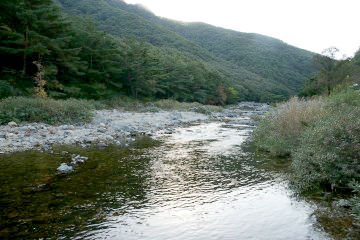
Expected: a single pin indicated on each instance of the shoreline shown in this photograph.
(108, 127)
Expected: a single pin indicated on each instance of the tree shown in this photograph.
(36, 31)
(327, 64)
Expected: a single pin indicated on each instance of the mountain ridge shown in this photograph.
(258, 59)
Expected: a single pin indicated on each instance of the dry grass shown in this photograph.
(290, 118)
(279, 131)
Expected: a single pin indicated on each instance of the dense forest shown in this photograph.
(100, 49)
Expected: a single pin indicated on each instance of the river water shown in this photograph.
(199, 183)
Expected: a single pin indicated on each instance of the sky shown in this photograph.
(309, 24)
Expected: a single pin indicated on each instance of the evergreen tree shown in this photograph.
(35, 31)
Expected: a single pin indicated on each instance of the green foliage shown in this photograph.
(356, 200)
(280, 130)
(184, 106)
(108, 48)
(202, 56)
(329, 151)
(321, 135)
(332, 73)
(21, 109)
(6, 89)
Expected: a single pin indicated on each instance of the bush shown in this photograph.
(124, 103)
(129, 104)
(279, 131)
(169, 104)
(328, 155)
(6, 89)
(21, 109)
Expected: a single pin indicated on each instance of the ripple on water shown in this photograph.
(202, 187)
(198, 184)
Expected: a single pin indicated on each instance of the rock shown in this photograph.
(63, 153)
(101, 145)
(109, 138)
(102, 125)
(10, 135)
(134, 134)
(64, 169)
(12, 124)
(76, 159)
(67, 133)
(343, 203)
(2, 152)
(102, 130)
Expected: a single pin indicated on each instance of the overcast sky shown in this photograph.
(310, 24)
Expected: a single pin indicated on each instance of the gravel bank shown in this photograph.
(111, 127)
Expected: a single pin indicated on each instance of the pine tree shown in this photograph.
(36, 31)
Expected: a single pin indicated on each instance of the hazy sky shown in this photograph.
(310, 24)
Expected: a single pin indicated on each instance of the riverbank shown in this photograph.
(199, 171)
(108, 127)
(320, 139)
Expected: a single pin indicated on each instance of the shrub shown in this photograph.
(124, 103)
(279, 131)
(22, 109)
(169, 104)
(328, 155)
(6, 89)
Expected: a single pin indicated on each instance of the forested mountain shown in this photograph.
(250, 59)
(101, 48)
(268, 57)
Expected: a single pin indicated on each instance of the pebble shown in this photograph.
(64, 168)
(102, 130)
(76, 159)
(12, 124)
(342, 203)
(101, 145)
(107, 127)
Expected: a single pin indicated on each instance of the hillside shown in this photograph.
(250, 60)
(101, 49)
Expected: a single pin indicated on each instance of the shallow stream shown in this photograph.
(195, 183)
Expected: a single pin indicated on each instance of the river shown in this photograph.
(196, 182)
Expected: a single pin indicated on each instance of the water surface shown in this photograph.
(197, 184)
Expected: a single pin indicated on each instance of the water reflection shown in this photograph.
(201, 186)
(198, 184)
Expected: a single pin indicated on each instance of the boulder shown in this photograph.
(76, 159)
(12, 124)
(65, 169)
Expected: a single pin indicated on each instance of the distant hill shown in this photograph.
(260, 67)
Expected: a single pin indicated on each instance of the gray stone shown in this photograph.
(12, 124)
(343, 203)
(76, 159)
(102, 130)
(101, 145)
(10, 135)
(64, 168)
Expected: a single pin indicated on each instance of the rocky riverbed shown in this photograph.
(108, 127)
